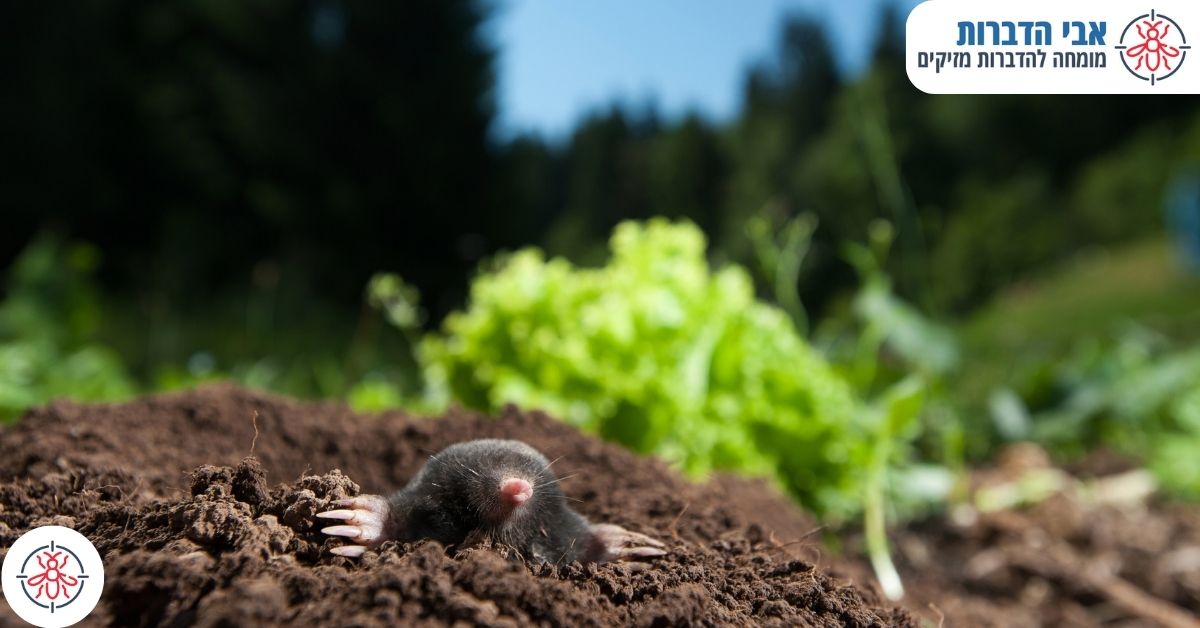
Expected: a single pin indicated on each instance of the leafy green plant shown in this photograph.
(663, 354)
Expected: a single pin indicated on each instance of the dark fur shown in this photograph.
(455, 497)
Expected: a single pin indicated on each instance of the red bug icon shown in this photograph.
(52, 582)
(1152, 52)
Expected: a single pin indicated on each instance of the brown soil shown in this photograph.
(1072, 560)
(1064, 562)
(193, 531)
(1060, 563)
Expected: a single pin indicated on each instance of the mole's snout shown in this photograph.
(515, 491)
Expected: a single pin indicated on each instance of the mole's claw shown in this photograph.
(347, 531)
(364, 521)
(349, 551)
(337, 514)
(616, 543)
(642, 552)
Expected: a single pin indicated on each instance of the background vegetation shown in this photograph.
(863, 282)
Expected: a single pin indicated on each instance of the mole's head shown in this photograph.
(497, 482)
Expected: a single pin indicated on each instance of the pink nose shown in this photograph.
(515, 491)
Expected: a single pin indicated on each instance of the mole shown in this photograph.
(502, 490)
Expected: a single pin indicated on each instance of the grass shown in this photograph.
(1143, 283)
(1016, 339)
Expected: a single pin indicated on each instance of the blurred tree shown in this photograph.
(788, 101)
(249, 165)
(606, 180)
(687, 171)
(323, 139)
(533, 174)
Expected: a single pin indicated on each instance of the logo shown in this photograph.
(52, 576)
(1153, 47)
(1040, 47)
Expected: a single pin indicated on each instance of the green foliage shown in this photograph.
(1131, 395)
(1061, 363)
(890, 322)
(375, 393)
(655, 349)
(781, 258)
(53, 320)
(50, 311)
(399, 301)
(894, 415)
(659, 352)
(901, 361)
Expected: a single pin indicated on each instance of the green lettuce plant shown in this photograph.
(663, 354)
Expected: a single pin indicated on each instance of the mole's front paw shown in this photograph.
(364, 519)
(610, 542)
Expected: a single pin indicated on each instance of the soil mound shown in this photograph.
(181, 494)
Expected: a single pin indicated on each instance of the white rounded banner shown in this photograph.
(1055, 47)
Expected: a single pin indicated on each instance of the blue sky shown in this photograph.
(561, 58)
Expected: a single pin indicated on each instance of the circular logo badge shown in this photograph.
(52, 576)
(1153, 47)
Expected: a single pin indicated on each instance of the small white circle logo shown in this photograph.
(52, 576)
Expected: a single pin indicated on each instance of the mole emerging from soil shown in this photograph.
(502, 490)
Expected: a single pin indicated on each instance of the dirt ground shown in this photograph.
(193, 530)
(1082, 557)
